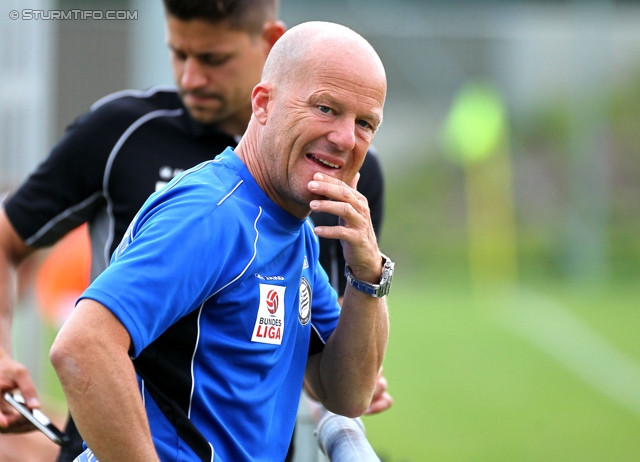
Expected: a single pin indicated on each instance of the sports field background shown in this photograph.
(542, 373)
(540, 363)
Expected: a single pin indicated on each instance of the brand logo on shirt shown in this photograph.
(269, 278)
(304, 310)
(269, 326)
(167, 174)
(305, 263)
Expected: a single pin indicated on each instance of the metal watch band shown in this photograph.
(375, 290)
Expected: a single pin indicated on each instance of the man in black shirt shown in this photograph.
(131, 143)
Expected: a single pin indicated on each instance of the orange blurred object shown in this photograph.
(64, 275)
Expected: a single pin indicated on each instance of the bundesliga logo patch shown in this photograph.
(269, 327)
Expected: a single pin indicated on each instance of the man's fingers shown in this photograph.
(22, 426)
(351, 226)
(326, 178)
(381, 385)
(341, 209)
(381, 400)
(354, 182)
(381, 404)
(332, 188)
(14, 375)
(28, 390)
(4, 423)
(11, 421)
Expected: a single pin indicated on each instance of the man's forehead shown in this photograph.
(345, 84)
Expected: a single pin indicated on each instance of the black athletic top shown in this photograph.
(112, 158)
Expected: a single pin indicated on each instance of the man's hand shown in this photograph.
(355, 230)
(381, 400)
(14, 375)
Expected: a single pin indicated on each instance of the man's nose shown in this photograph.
(192, 76)
(343, 134)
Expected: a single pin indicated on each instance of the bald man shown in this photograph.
(226, 261)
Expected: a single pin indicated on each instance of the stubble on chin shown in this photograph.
(204, 114)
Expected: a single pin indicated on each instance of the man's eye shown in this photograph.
(364, 124)
(179, 56)
(325, 109)
(215, 60)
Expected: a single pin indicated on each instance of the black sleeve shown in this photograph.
(65, 190)
(371, 185)
(315, 344)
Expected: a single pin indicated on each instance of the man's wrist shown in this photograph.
(375, 290)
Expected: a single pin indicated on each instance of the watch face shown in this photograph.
(387, 270)
(387, 275)
(375, 290)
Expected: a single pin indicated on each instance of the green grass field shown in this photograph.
(545, 373)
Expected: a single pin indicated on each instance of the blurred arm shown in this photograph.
(13, 375)
(13, 251)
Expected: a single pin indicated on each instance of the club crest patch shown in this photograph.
(304, 311)
(269, 327)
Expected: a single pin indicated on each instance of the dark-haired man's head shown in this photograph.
(218, 49)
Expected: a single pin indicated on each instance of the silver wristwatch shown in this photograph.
(375, 290)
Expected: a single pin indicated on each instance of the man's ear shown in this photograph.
(260, 98)
(272, 31)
